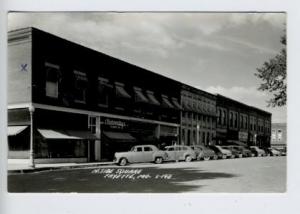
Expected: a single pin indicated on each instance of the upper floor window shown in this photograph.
(273, 136)
(246, 122)
(103, 87)
(241, 121)
(52, 80)
(224, 117)
(219, 117)
(235, 120)
(231, 119)
(80, 86)
(279, 134)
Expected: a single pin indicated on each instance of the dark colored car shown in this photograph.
(245, 152)
(204, 153)
(221, 152)
(257, 151)
(235, 152)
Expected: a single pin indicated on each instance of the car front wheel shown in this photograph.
(206, 158)
(188, 158)
(158, 160)
(123, 162)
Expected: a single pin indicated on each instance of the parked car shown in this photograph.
(274, 152)
(245, 152)
(257, 151)
(283, 151)
(222, 153)
(204, 153)
(235, 152)
(179, 152)
(139, 154)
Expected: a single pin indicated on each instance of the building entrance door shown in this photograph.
(91, 151)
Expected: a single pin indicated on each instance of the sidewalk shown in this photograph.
(24, 168)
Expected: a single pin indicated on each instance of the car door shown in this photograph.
(148, 154)
(171, 153)
(137, 155)
(181, 152)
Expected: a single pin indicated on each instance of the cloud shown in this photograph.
(238, 92)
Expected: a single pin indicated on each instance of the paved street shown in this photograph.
(262, 174)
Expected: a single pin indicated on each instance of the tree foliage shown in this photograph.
(273, 76)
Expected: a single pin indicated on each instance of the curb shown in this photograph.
(22, 171)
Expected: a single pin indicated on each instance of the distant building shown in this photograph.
(279, 135)
(242, 123)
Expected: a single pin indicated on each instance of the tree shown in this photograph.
(273, 76)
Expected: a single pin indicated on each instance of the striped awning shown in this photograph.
(15, 130)
(51, 134)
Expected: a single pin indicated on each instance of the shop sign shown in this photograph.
(115, 124)
(243, 136)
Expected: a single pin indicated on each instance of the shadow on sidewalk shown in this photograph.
(138, 180)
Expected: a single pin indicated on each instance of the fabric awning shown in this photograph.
(236, 142)
(120, 136)
(82, 134)
(176, 103)
(120, 91)
(166, 103)
(186, 107)
(152, 98)
(15, 130)
(139, 96)
(51, 134)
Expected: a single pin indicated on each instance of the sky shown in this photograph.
(216, 52)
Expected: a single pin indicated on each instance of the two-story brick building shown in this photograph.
(69, 103)
(78, 104)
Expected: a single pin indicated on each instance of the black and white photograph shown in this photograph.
(147, 102)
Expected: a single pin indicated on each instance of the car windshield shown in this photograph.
(169, 148)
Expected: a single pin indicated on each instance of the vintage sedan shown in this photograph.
(222, 153)
(140, 154)
(274, 152)
(257, 151)
(245, 152)
(176, 153)
(235, 153)
(204, 153)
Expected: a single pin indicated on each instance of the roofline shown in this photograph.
(247, 106)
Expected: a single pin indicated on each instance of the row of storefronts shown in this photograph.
(73, 104)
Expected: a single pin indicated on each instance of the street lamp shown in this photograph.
(31, 153)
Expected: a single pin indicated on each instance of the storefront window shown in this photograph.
(61, 149)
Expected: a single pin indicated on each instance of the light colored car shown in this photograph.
(140, 154)
(176, 153)
(222, 153)
(274, 152)
(257, 151)
(204, 153)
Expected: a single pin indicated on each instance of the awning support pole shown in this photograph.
(31, 153)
